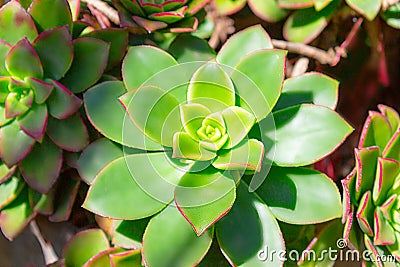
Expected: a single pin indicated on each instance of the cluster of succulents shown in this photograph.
(371, 190)
(42, 68)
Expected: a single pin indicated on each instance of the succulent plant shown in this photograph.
(371, 190)
(41, 69)
(205, 143)
(142, 16)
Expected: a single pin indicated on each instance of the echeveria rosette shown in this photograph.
(371, 190)
(41, 69)
(212, 146)
(152, 15)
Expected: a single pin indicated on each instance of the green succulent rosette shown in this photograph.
(200, 144)
(371, 190)
(142, 16)
(42, 68)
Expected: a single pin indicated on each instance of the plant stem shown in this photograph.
(104, 8)
(48, 251)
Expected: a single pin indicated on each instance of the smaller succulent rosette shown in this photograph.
(371, 190)
(42, 69)
(142, 16)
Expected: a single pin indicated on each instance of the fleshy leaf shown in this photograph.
(367, 8)
(247, 229)
(96, 156)
(22, 61)
(386, 173)
(366, 162)
(365, 213)
(185, 147)
(83, 246)
(90, 61)
(167, 234)
(6, 172)
(55, 50)
(129, 234)
(300, 195)
(128, 258)
(60, 14)
(133, 179)
(116, 125)
(102, 258)
(391, 16)
(42, 90)
(14, 144)
(9, 190)
(118, 40)
(14, 16)
(384, 233)
(14, 106)
(62, 103)
(192, 116)
(267, 10)
(69, 134)
(34, 122)
(303, 128)
(238, 123)
(312, 87)
(376, 131)
(42, 203)
(16, 216)
(154, 112)
(243, 43)
(248, 156)
(391, 115)
(188, 48)
(296, 4)
(66, 192)
(43, 178)
(142, 62)
(228, 7)
(392, 150)
(204, 198)
(258, 87)
(211, 87)
(306, 24)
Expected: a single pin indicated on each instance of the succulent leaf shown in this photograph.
(60, 14)
(34, 122)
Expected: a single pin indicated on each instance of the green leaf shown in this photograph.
(228, 7)
(384, 233)
(167, 235)
(90, 61)
(22, 61)
(305, 25)
(189, 48)
(118, 40)
(4, 49)
(9, 190)
(366, 164)
(205, 197)
(14, 106)
(211, 87)
(95, 157)
(247, 229)
(6, 172)
(55, 50)
(34, 122)
(300, 195)
(365, 213)
(267, 81)
(16, 23)
(367, 8)
(192, 116)
(303, 134)
(312, 88)
(242, 44)
(60, 14)
(69, 134)
(391, 16)
(66, 192)
(62, 103)
(392, 150)
(43, 178)
(185, 147)
(248, 156)
(267, 10)
(320, 4)
(154, 112)
(376, 131)
(145, 180)
(142, 62)
(83, 246)
(116, 125)
(42, 203)
(392, 116)
(386, 173)
(16, 216)
(41, 89)
(14, 144)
